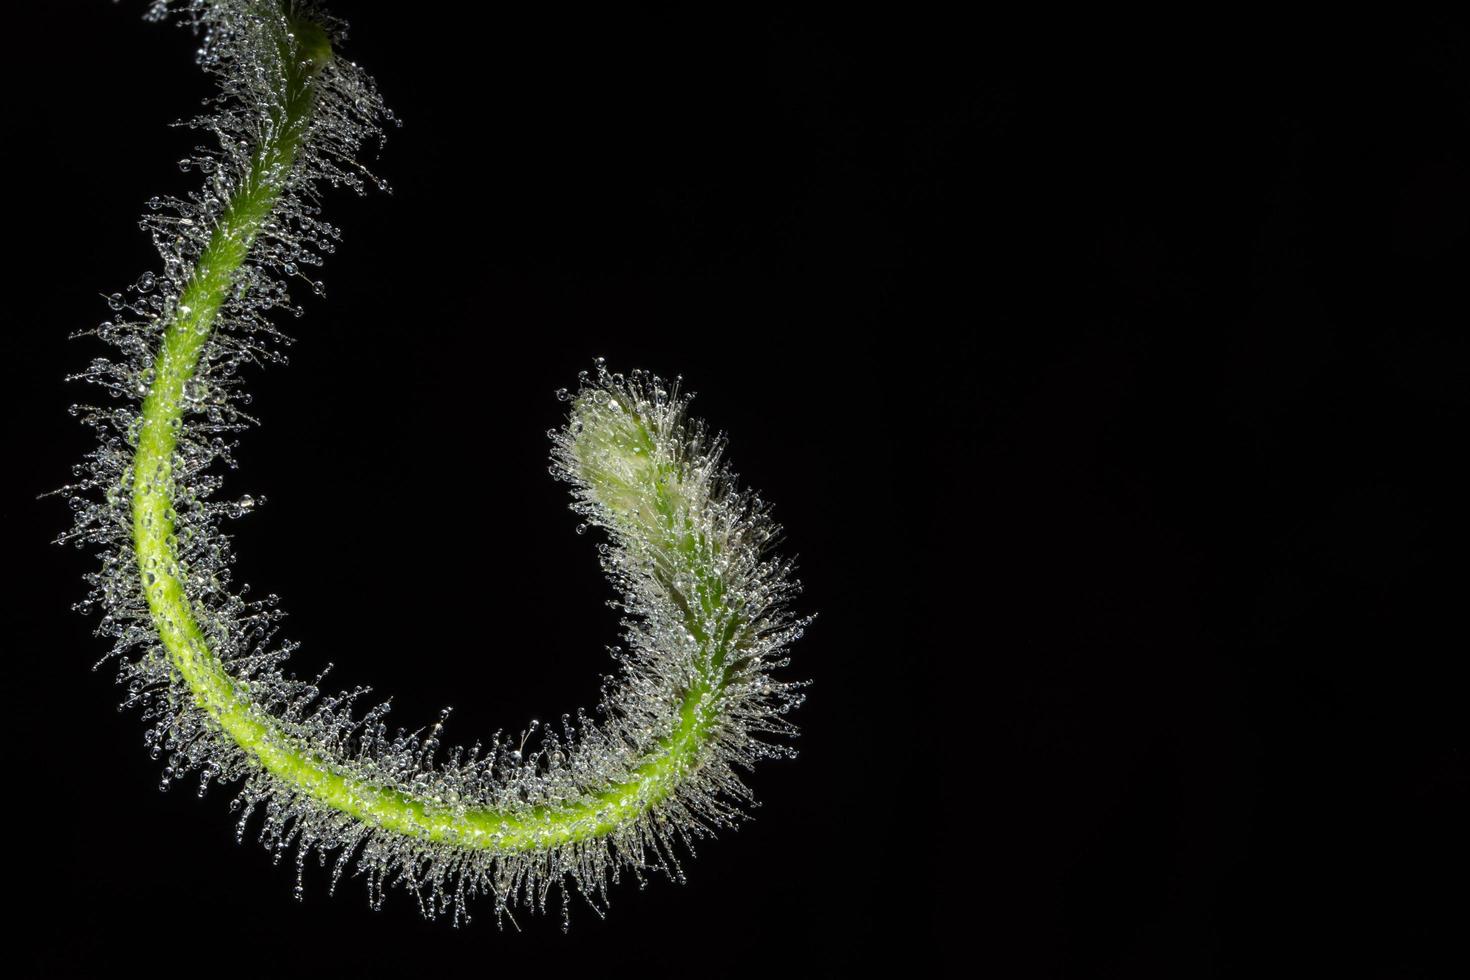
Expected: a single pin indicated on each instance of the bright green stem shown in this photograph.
(227, 700)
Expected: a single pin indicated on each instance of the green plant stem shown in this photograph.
(227, 700)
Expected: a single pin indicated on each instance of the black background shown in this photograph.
(1110, 378)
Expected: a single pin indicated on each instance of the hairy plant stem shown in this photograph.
(228, 701)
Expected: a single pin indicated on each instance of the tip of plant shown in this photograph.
(612, 443)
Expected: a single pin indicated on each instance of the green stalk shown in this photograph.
(227, 700)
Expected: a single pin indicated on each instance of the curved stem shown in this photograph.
(227, 700)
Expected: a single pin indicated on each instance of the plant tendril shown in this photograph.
(706, 604)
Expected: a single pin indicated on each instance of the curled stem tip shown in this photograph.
(695, 700)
